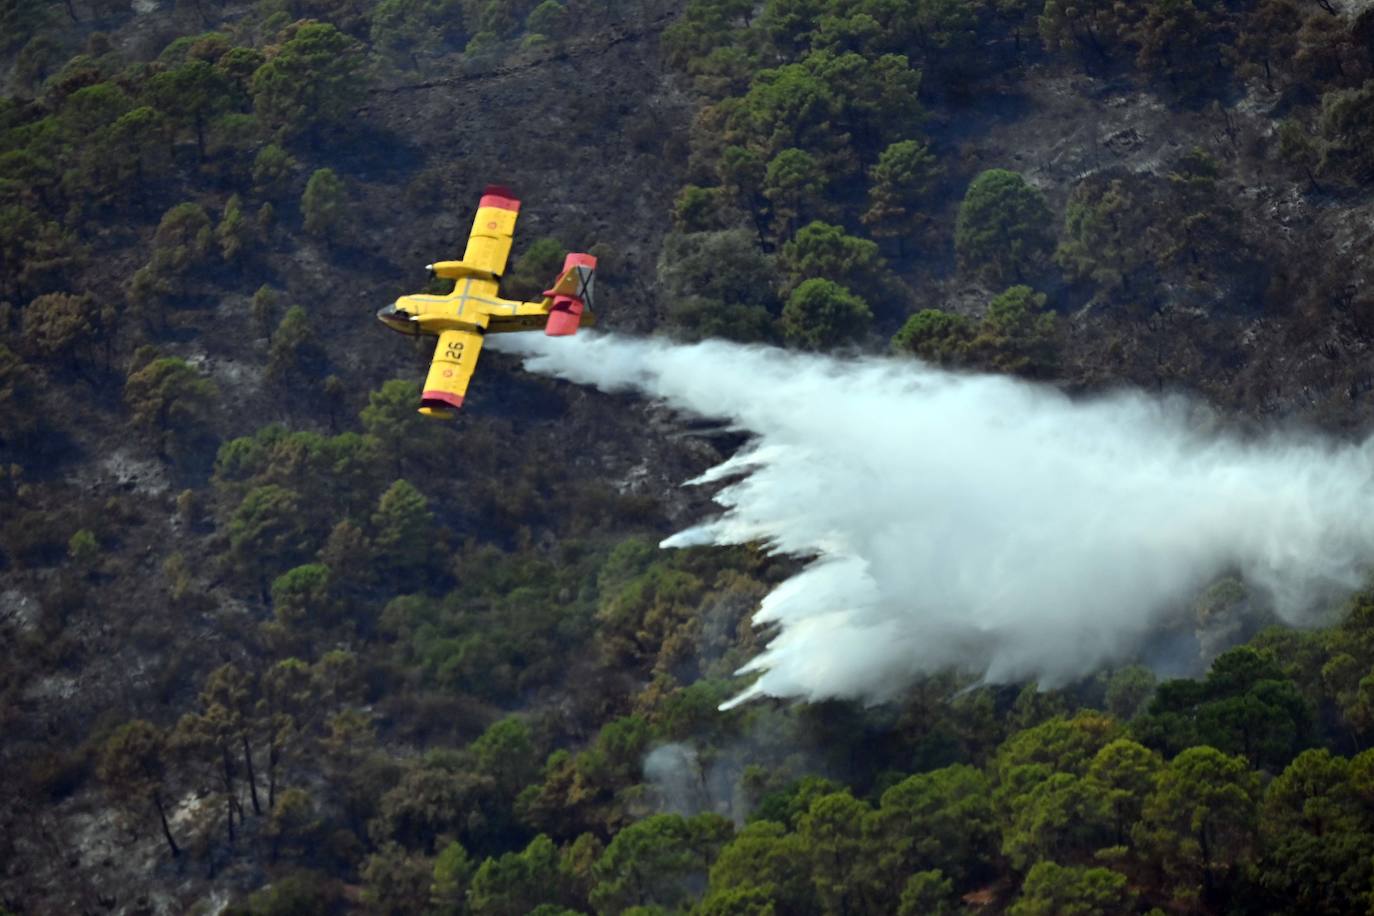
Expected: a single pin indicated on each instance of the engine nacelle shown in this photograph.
(566, 312)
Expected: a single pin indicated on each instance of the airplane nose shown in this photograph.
(398, 319)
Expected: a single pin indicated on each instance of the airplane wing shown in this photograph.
(492, 228)
(455, 356)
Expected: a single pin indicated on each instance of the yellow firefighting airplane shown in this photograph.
(474, 308)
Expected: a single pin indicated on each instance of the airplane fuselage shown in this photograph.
(473, 305)
(462, 317)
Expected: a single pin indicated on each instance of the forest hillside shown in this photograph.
(278, 644)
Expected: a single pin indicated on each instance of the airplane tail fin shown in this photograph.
(571, 295)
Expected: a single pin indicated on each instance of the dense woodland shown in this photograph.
(277, 643)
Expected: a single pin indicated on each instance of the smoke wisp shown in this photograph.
(982, 523)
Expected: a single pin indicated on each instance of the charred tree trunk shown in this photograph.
(200, 137)
(231, 802)
(252, 778)
(166, 828)
(272, 755)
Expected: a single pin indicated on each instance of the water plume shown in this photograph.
(982, 523)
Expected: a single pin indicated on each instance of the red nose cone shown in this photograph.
(561, 324)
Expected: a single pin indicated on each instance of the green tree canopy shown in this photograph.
(827, 251)
(91, 109)
(1316, 836)
(1267, 43)
(66, 326)
(136, 146)
(832, 833)
(704, 26)
(273, 168)
(391, 418)
(183, 239)
(878, 97)
(935, 335)
(1245, 706)
(1099, 29)
(435, 798)
(764, 856)
(396, 882)
(652, 861)
(794, 184)
(901, 182)
(1017, 334)
(311, 83)
(234, 231)
(941, 820)
(1002, 233)
(789, 107)
(1198, 825)
(267, 532)
(549, 18)
(1122, 775)
(698, 209)
(821, 314)
(133, 764)
(169, 406)
(301, 596)
(324, 203)
(405, 29)
(1181, 40)
(294, 352)
(1055, 890)
(405, 537)
(1104, 237)
(190, 95)
(718, 284)
(453, 870)
(505, 752)
(517, 882)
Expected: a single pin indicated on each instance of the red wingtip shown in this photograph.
(441, 399)
(499, 196)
